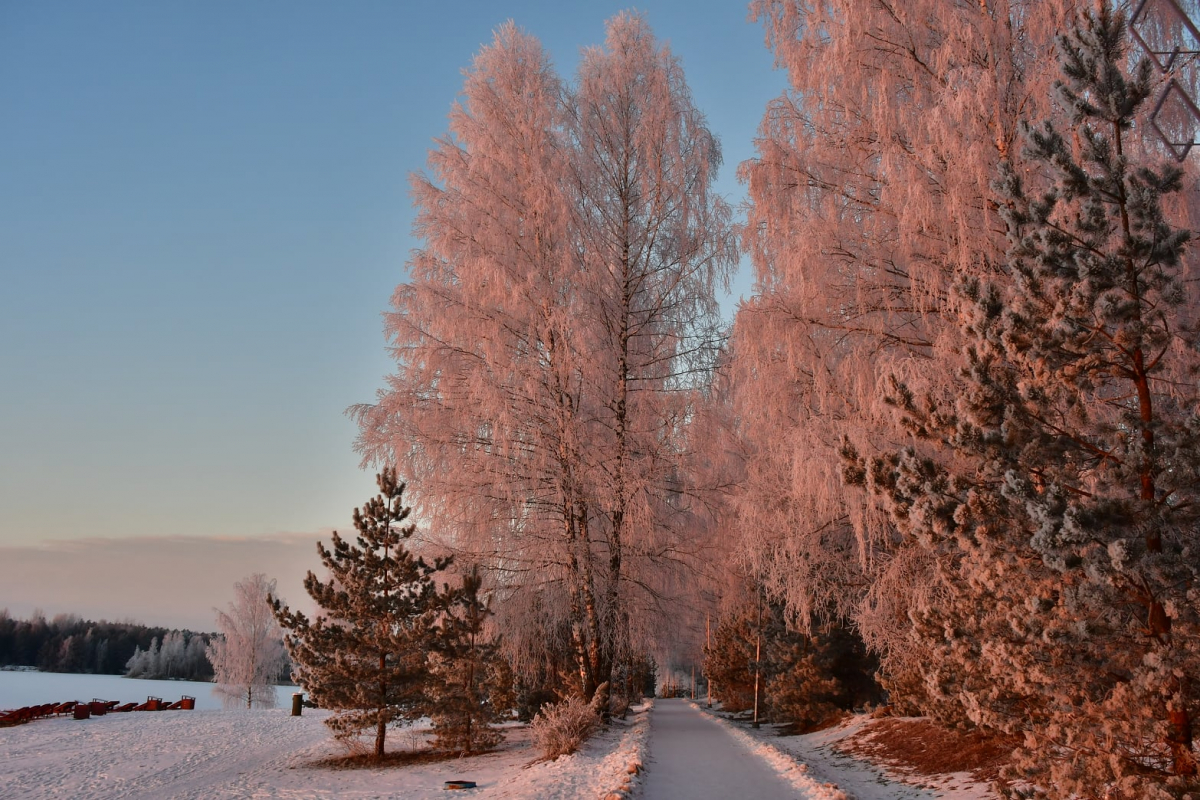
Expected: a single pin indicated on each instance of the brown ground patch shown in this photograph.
(400, 758)
(920, 747)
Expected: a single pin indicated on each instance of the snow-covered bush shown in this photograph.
(561, 728)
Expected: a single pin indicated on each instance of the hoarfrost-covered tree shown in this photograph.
(870, 192)
(557, 323)
(487, 402)
(365, 655)
(1057, 497)
(654, 244)
(248, 657)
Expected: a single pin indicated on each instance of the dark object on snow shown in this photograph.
(151, 704)
(297, 703)
(83, 711)
(460, 784)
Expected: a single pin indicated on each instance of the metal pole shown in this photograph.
(707, 644)
(757, 658)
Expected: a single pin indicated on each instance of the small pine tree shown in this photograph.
(471, 686)
(729, 655)
(365, 655)
(818, 676)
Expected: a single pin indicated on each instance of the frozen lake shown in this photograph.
(19, 689)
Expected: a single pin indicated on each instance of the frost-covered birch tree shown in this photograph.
(487, 401)
(654, 242)
(545, 352)
(248, 656)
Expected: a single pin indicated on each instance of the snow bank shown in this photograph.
(820, 761)
(607, 767)
(629, 759)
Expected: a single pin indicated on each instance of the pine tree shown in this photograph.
(471, 686)
(1058, 495)
(365, 656)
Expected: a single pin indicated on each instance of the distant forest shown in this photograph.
(67, 643)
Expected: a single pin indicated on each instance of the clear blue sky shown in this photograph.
(203, 212)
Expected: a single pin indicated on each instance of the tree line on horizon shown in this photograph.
(67, 643)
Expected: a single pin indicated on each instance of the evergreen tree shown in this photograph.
(365, 655)
(472, 685)
(1058, 494)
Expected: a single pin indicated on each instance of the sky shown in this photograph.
(204, 210)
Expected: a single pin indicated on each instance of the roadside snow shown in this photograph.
(269, 754)
(813, 757)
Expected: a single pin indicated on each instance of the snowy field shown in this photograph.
(19, 689)
(270, 754)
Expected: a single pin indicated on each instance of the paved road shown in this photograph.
(692, 757)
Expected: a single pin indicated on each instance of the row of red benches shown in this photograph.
(94, 708)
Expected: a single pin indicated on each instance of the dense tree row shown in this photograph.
(954, 433)
(963, 404)
(808, 678)
(67, 643)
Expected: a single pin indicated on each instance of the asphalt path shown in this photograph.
(693, 757)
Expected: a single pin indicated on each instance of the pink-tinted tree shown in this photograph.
(557, 321)
(1059, 489)
(248, 657)
(870, 196)
(654, 243)
(488, 396)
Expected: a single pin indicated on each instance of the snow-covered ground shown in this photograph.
(270, 754)
(18, 688)
(814, 757)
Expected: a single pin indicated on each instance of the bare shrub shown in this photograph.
(561, 728)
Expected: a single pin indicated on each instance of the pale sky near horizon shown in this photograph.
(204, 210)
